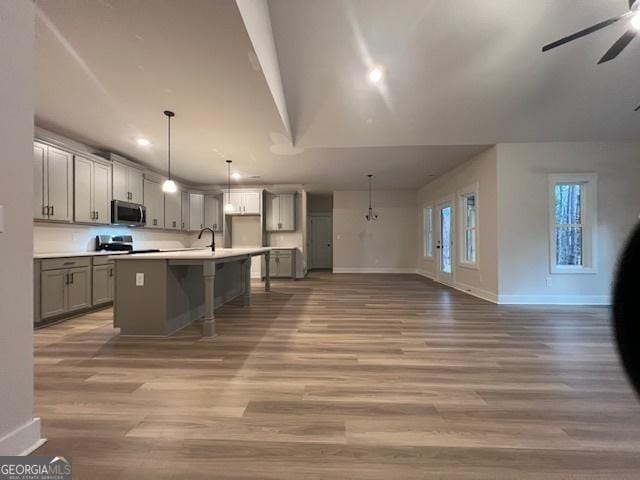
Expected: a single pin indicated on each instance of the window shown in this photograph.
(572, 209)
(427, 232)
(469, 226)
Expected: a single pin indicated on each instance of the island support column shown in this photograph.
(246, 280)
(267, 272)
(209, 321)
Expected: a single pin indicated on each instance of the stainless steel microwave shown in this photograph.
(128, 214)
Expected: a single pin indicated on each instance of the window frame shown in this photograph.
(429, 253)
(589, 222)
(471, 190)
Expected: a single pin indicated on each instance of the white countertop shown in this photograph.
(198, 254)
(100, 253)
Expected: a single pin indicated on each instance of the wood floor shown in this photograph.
(344, 376)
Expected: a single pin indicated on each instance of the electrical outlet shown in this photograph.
(139, 279)
(549, 281)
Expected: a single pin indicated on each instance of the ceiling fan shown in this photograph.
(633, 14)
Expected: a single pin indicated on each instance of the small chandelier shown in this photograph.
(371, 215)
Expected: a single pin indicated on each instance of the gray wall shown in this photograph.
(17, 429)
(523, 214)
(385, 245)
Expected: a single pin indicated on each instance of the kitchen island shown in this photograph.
(159, 293)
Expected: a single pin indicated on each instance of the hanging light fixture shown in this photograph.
(169, 186)
(371, 215)
(228, 208)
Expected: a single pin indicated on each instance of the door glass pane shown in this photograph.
(568, 245)
(445, 239)
(568, 208)
(428, 233)
(471, 211)
(470, 246)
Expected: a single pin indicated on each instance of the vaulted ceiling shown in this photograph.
(281, 87)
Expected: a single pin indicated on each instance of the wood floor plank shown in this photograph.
(344, 376)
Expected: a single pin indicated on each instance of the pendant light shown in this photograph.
(371, 215)
(228, 208)
(169, 186)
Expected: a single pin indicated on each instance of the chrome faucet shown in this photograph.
(213, 238)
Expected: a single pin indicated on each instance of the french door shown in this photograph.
(444, 242)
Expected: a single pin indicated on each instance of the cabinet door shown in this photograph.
(235, 199)
(154, 201)
(39, 184)
(273, 212)
(101, 193)
(102, 284)
(59, 180)
(196, 211)
(251, 203)
(273, 266)
(287, 212)
(184, 223)
(284, 265)
(135, 182)
(53, 291)
(172, 210)
(120, 181)
(212, 212)
(83, 183)
(78, 289)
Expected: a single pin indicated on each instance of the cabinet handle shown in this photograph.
(174, 223)
(66, 279)
(71, 278)
(182, 225)
(52, 214)
(97, 215)
(111, 272)
(155, 221)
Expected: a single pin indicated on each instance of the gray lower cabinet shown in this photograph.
(282, 264)
(64, 291)
(103, 284)
(64, 286)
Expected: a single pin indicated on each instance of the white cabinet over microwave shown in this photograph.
(244, 202)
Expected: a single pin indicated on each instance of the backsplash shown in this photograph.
(51, 238)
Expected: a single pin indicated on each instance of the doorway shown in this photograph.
(320, 241)
(444, 242)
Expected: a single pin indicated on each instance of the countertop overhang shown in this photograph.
(201, 254)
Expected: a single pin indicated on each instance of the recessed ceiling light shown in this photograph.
(375, 74)
(236, 176)
(635, 20)
(143, 142)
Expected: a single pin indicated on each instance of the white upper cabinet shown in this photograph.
(173, 210)
(92, 187)
(196, 212)
(244, 202)
(154, 201)
(53, 183)
(212, 218)
(280, 212)
(128, 183)
(184, 204)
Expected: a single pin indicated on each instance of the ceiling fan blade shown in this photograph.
(620, 44)
(582, 33)
(637, 108)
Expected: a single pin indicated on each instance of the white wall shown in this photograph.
(385, 245)
(523, 171)
(18, 430)
(480, 170)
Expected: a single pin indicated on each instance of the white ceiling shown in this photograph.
(458, 78)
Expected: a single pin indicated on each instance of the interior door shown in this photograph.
(320, 240)
(444, 242)
(101, 193)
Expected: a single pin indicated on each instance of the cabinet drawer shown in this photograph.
(280, 253)
(102, 260)
(66, 262)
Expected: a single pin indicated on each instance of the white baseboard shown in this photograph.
(373, 270)
(476, 292)
(23, 440)
(426, 274)
(554, 299)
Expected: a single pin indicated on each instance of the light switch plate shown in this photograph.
(139, 279)
(1, 218)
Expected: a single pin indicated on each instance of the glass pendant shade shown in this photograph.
(169, 186)
(228, 208)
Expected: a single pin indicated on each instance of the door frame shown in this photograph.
(442, 277)
(310, 217)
